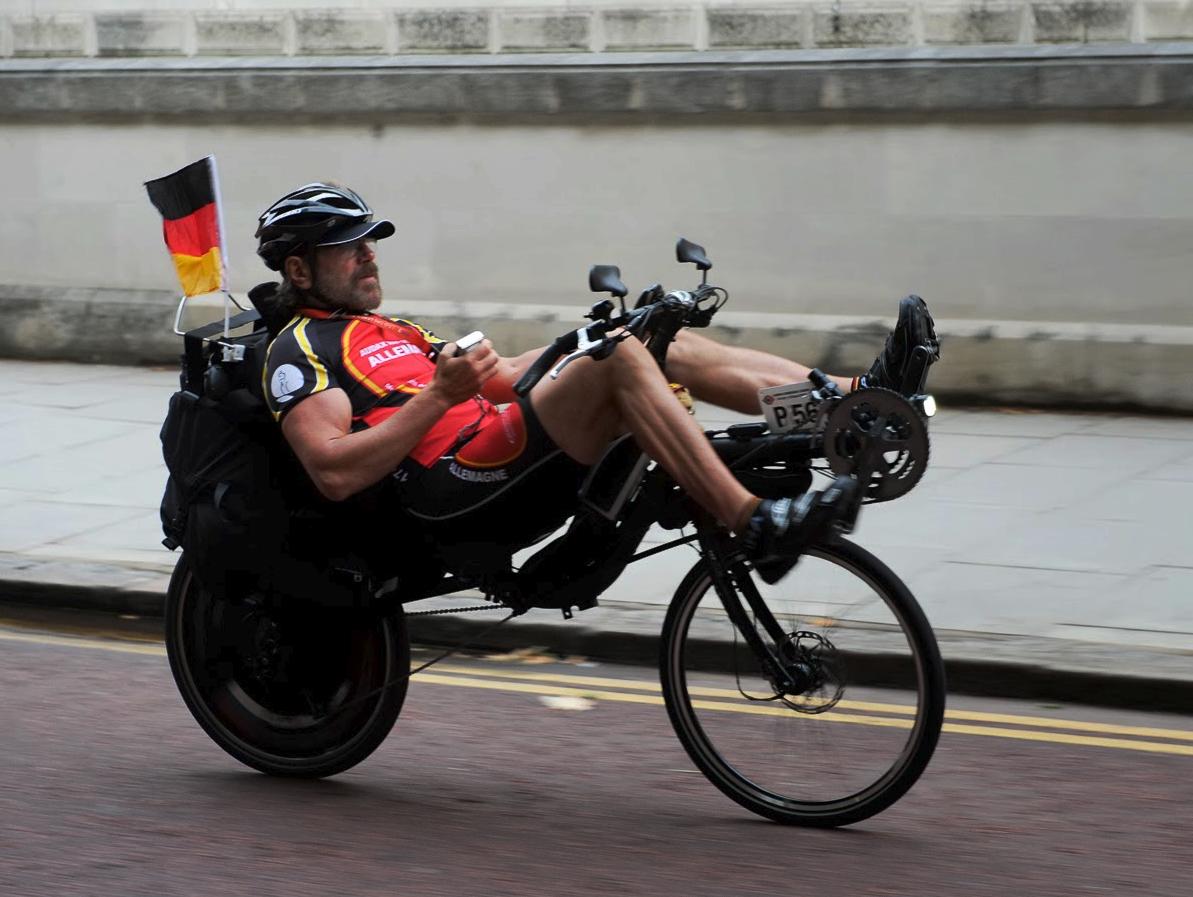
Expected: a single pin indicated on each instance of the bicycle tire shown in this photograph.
(804, 778)
(315, 716)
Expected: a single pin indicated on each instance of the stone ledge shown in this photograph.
(1017, 362)
(601, 86)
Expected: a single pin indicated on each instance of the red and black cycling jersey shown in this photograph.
(379, 362)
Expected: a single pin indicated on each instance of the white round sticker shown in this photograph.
(286, 380)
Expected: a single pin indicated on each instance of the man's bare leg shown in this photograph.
(730, 376)
(594, 402)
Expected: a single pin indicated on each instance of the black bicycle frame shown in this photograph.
(575, 570)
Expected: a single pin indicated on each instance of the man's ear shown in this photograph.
(297, 271)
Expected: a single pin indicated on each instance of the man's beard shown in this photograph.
(352, 295)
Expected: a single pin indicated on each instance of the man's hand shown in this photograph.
(457, 379)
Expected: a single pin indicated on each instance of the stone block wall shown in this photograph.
(545, 31)
(439, 31)
(555, 27)
(734, 28)
(649, 29)
(1082, 22)
(871, 25)
(987, 23)
(1168, 21)
(64, 35)
(226, 34)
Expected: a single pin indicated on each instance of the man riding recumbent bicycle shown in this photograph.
(406, 467)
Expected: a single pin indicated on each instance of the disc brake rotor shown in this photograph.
(816, 666)
(880, 431)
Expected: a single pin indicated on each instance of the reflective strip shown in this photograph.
(321, 378)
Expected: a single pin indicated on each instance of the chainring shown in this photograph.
(877, 430)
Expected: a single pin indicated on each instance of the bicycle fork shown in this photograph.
(732, 581)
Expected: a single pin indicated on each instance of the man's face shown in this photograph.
(346, 276)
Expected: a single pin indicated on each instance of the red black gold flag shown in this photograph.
(188, 200)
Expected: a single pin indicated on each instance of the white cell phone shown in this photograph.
(467, 343)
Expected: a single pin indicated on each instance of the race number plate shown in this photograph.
(790, 408)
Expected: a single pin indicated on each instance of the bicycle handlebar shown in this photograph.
(543, 363)
(590, 340)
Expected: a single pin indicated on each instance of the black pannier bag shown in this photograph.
(237, 500)
(227, 501)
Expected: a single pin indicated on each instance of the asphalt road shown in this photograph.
(506, 776)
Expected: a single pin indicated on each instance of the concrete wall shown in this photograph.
(1049, 228)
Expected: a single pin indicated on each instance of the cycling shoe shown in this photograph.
(915, 329)
(782, 528)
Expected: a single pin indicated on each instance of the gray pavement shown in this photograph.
(1052, 552)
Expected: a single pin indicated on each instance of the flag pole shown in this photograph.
(219, 211)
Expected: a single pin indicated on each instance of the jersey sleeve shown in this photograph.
(295, 368)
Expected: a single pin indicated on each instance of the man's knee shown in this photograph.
(633, 355)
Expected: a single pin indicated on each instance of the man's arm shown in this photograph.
(500, 388)
(341, 462)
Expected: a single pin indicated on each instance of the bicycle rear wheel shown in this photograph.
(847, 716)
(286, 688)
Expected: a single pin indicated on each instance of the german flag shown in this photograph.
(187, 200)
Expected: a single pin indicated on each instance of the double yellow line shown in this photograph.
(1149, 739)
(499, 677)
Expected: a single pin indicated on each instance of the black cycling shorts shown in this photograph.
(508, 484)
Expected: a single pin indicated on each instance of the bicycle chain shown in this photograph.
(456, 610)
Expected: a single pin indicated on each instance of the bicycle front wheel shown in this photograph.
(831, 712)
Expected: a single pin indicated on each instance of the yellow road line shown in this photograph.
(542, 683)
(768, 710)
(1154, 747)
(1071, 725)
(93, 644)
(866, 706)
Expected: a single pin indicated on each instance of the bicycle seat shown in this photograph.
(274, 316)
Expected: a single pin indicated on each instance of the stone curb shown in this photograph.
(976, 664)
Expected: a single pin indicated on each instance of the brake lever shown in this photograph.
(600, 348)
